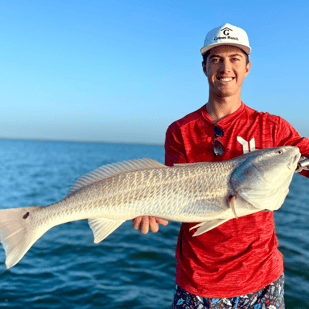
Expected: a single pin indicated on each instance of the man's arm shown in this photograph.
(287, 136)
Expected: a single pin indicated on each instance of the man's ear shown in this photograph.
(204, 68)
(248, 67)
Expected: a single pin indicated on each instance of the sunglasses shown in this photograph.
(217, 145)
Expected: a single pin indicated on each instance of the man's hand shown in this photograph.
(144, 223)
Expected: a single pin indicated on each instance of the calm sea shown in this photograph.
(65, 269)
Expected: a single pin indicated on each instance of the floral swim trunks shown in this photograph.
(270, 297)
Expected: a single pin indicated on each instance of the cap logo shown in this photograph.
(226, 31)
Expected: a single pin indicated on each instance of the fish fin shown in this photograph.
(207, 226)
(186, 164)
(102, 227)
(231, 203)
(113, 169)
(198, 225)
(242, 204)
(17, 234)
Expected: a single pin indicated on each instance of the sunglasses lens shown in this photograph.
(218, 148)
(218, 132)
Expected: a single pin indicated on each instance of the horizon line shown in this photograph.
(81, 141)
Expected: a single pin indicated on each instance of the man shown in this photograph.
(237, 264)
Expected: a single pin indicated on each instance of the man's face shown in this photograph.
(226, 69)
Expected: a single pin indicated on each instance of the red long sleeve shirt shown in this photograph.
(240, 256)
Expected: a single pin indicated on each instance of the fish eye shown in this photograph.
(279, 152)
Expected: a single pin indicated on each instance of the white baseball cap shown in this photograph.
(227, 35)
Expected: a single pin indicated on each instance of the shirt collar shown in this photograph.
(226, 120)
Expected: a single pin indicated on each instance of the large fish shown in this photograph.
(210, 193)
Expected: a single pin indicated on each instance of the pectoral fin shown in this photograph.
(102, 227)
(231, 203)
(204, 227)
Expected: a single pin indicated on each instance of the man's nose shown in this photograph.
(226, 66)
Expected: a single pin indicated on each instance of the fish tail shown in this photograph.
(17, 233)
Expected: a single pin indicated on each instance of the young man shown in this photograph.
(237, 264)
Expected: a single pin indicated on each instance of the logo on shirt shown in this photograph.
(246, 146)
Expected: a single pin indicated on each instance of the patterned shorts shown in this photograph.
(270, 297)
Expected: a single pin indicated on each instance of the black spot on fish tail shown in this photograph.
(25, 216)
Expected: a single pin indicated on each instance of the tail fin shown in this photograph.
(17, 233)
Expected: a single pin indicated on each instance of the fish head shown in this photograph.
(263, 177)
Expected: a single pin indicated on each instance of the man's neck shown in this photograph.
(219, 109)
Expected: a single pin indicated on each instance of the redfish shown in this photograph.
(209, 192)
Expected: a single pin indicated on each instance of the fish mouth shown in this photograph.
(292, 165)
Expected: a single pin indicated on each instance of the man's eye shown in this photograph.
(216, 60)
(235, 59)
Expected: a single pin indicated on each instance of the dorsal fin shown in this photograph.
(113, 169)
(187, 164)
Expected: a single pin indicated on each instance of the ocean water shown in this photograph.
(65, 269)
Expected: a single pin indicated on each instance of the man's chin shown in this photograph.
(223, 94)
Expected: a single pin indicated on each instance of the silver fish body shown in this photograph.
(210, 193)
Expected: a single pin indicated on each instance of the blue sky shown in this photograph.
(122, 71)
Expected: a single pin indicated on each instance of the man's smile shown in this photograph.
(225, 79)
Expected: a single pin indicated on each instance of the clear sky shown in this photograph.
(123, 70)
